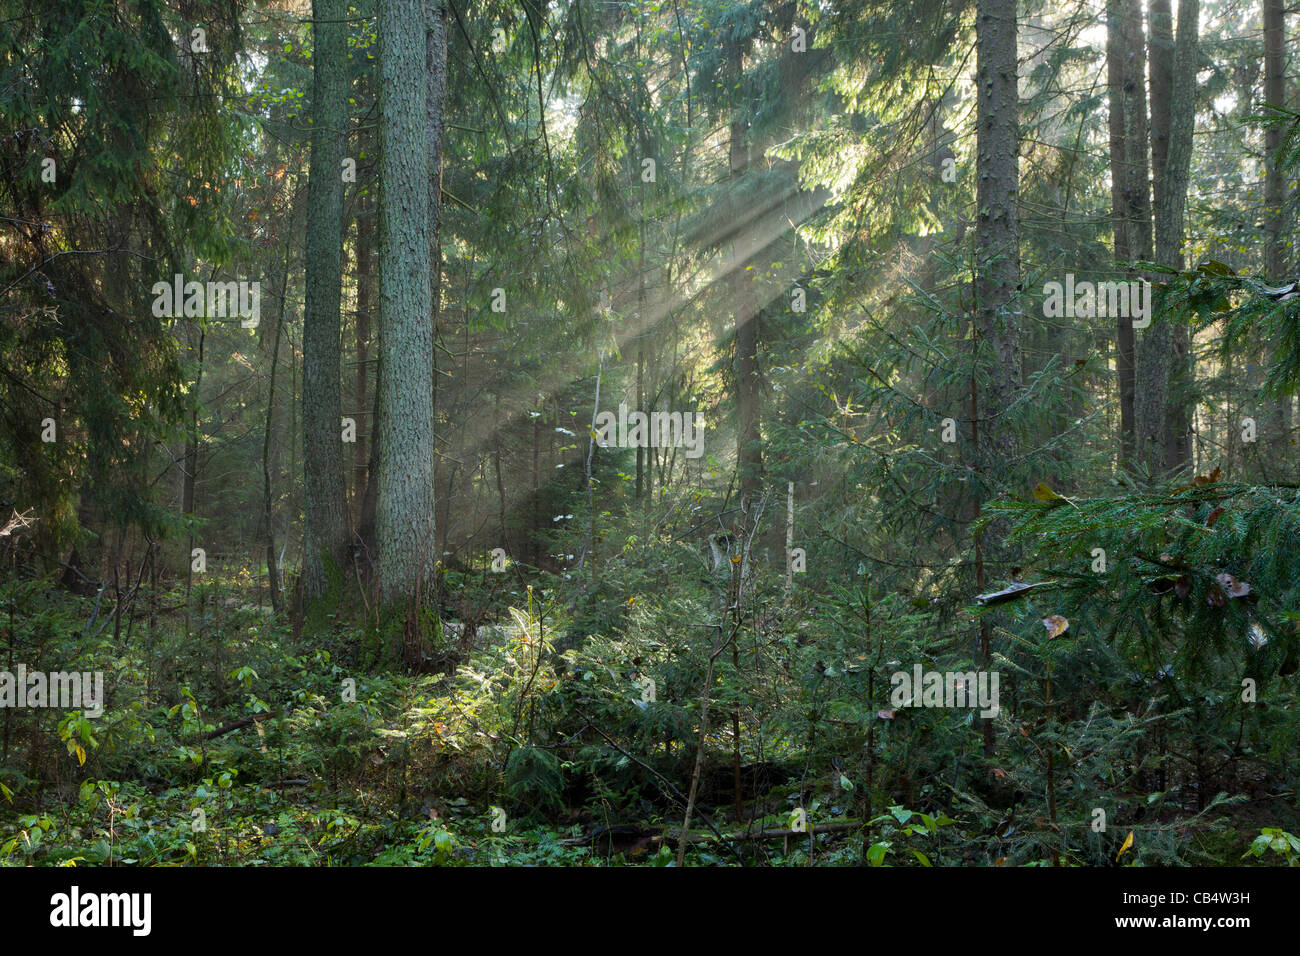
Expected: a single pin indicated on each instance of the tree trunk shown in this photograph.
(268, 509)
(435, 52)
(997, 257)
(997, 228)
(1163, 424)
(1130, 186)
(749, 448)
(404, 506)
(1275, 198)
(325, 516)
(365, 306)
(190, 469)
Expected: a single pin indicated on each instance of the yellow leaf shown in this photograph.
(1128, 842)
(1044, 493)
(81, 754)
(1056, 625)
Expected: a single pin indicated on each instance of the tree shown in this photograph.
(1162, 418)
(404, 505)
(1275, 184)
(741, 279)
(997, 252)
(997, 225)
(436, 95)
(325, 516)
(1130, 185)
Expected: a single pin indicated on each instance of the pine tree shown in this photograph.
(404, 507)
(325, 517)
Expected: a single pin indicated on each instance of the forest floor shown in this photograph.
(245, 745)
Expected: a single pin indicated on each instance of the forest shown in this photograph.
(709, 433)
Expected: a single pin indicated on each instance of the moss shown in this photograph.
(322, 614)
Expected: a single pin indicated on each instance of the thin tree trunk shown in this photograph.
(189, 473)
(268, 512)
(365, 306)
(789, 536)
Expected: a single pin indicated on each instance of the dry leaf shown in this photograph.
(1128, 842)
(1056, 625)
(1235, 587)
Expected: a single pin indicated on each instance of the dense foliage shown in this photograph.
(766, 212)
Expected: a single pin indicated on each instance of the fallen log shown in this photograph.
(657, 835)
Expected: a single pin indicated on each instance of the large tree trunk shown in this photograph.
(1274, 95)
(1163, 396)
(997, 261)
(1130, 186)
(1279, 427)
(749, 448)
(997, 227)
(404, 506)
(325, 516)
(435, 44)
(1117, 45)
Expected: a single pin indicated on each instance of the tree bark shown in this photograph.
(325, 516)
(404, 506)
(749, 448)
(997, 258)
(268, 506)
(365, 307)
(435, 51)
(997, 228)
(1274, 95)
(1130, 186)
(1163, 424)
(1279, 426)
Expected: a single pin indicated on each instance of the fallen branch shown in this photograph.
(664, 781)
(235, 725)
